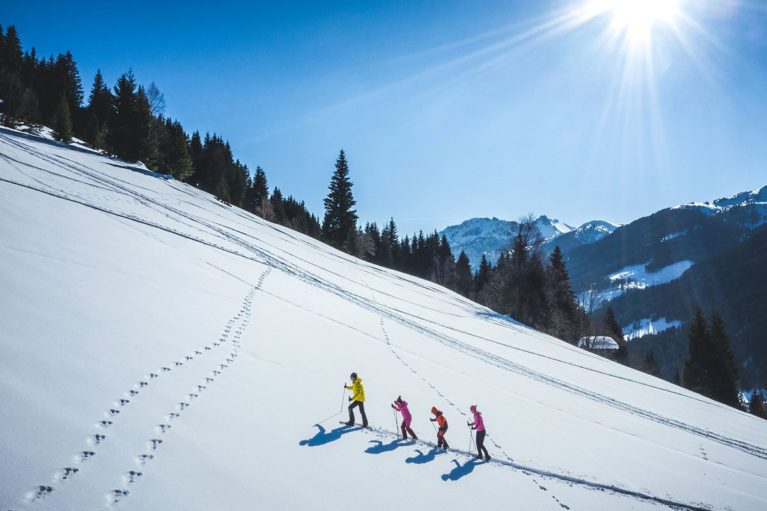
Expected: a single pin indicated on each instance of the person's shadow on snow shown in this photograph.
(380, 447)
(423, 457)
(460, 470)
(325, 437)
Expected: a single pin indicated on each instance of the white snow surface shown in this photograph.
(637, 276)
(598, 342)
(648, 326)
(215, 345)
(633, 277)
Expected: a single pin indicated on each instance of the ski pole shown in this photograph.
(343, 395)
(395, 421)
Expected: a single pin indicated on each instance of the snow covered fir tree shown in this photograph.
(180, 332)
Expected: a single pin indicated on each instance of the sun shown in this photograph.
(635, 20)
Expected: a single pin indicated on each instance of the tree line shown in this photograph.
(128, 121)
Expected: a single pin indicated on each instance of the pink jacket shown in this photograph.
(402, 408)
(478, 423)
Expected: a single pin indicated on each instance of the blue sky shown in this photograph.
(448, 109)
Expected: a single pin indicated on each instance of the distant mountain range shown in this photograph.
(655, 270)
(491, 236)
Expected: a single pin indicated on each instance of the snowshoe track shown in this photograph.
(230, 334)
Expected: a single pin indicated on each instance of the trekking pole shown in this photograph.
(395, 422)
(343, 395)
(470, 441)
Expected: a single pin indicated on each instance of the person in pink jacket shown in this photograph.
(479, 426)
(401, 406)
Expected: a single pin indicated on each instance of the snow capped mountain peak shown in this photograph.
(748, 209)
(743, 198)
(758, 196)
(551, 228)
(490, 236)
(594, 230)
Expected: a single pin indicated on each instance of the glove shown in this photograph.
(393, 407)
(350, 399)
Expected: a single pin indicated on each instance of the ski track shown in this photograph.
(232, 332)
(440, 394)
(525, 469)
(546, 474)
(405, 319)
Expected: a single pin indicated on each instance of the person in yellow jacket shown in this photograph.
(357, 400)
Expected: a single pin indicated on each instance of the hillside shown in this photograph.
(165, 351)
(733, 283)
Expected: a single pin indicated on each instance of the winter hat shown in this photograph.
(434, 410)
(473, 408)
(353, 375)
(399, 399)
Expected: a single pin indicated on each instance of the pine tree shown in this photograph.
(99, 112)
(724, 373)
(388, 246)
(695, 374)
(62, 122)
(144, 131)
(176, 154)
(261, 205)
(464, 280)
(374, 235)
(339, 226)
(523, 294)
(123, 138)
(615, 331)
(649, 365)
(563, 307)
(278, 208)
(756, 404)
(29, 107)
(483, 274)
(195, 152)
(11, 56)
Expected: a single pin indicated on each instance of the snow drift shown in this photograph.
(160, 350)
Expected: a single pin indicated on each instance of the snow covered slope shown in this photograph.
(162, 351)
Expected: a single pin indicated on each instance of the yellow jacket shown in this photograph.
(358, 392)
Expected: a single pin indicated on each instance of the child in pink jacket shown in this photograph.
(401, 406)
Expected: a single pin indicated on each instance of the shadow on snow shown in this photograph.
(460, 470)
(380, 447)
(325, 437)
(423, 457)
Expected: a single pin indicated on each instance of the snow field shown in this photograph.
(111, 274)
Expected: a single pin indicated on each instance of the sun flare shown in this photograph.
(636, 20)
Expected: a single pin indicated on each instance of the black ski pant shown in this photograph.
(481, 444)
(441, 442)
(361, 406)
(406, 430)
